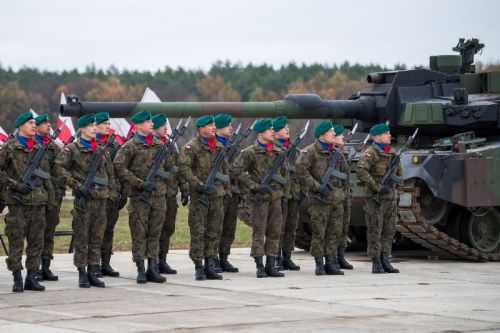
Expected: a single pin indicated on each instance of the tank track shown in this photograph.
(413, 226)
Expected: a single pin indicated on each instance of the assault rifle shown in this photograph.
(272, 173)
(358, 148)
(86, 190)
(214, 173)
(70, 140)
(117, 148)
(33, 174)
(237, 142)
(390, 174)
(176, 134)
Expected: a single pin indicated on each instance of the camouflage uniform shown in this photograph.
(205, 223)
(326, 215)
(266, 214)
(132, 164)
(25, 220)
(380, 219)
(88, 226)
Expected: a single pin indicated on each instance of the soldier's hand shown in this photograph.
(324, 190)
(23, 188)
(264, 189)
(385, 190)
(184, 198)
(86, 192)
(122, 201)
(208, 189)
(148, 186)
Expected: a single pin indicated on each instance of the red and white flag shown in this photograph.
(151, 97)
(68, 129)
(121, 127)
(3, 135)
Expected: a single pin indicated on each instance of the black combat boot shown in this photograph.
(344, 264)
(199, 271)
(377, 266)
(106, 269)
(217, 266)
(18, 282)
(141, 272)
(226, 265)
(152, 274)
(210, 269)
(271, 267)
(386, 264)
(320, 267)
(279, 262)
(83, 279)
(47, 274)
(92, 275)
(163, 266)
(261, 271)
(31, 283)
(331, 266)
(288, 264)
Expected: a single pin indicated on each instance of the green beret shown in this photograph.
(41, 118)
(379, 129)
(322, 127)
(140, 117)
(261, 125)
(159, 119)
(338, 129)
(85, 120)
(222, 120)
(279, 122)
(22, 118)
(101, 117)
(204, 120)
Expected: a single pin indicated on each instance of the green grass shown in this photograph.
(122, 240)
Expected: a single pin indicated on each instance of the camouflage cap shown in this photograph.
(159, 119)
(261, 125)
(101, 117)
(378, 129)
(322, 127)
(85, 120)
(279, 122)
(222, 120)
(338, 129)
(140, 116)
(204, 120)
(22, 118)
(41, 118)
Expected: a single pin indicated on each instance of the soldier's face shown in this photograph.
(43, 129)
(266, 136)
(145, 128)
(89, 132)
(328, 136)
(208, 131)
(384, 138)
(28, 129)
(225, 131)
(338, 139)
(161, 131)
(283, 133)
(103, 128)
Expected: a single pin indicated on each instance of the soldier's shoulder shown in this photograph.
(369, 153)
(308, 149)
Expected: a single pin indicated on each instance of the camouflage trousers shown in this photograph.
(346, 221)
(381, 225)
(51, 222)
(229, 225)
(112, 214)
(88, 228)
(326, 225)
(289, 226)
(169, 224)
(25, 222)
(266, 218)
(145, 221)
(205, 225)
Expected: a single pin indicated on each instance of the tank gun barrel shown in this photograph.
(299, 106)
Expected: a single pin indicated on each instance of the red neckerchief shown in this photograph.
(287, 143)
(211, 143)
(163, 139)
(269, 147)
(103, 138)
(149, 139)
(93, 144)
(30, 142)
(387, 148)
(45, 139)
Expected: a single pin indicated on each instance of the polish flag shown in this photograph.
(68, 129)
(3, 135)
(151, 97)
(121, 127)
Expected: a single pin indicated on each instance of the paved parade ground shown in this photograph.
(428, 296)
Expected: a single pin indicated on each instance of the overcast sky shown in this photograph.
(149, 35)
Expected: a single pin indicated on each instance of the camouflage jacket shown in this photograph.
(133, 162)
(372, 166)
(52, 153)
(195, 162)
(235, 186)
(311, 166)
(176, 182)
(115, 146)
(294, 188)
(14, 159)
(252, 165)
(73, 164)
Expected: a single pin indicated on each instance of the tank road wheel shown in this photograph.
(483, 230)
(432, 208)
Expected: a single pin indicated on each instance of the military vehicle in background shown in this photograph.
(451, 199)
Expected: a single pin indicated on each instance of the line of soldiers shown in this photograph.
(212, 174)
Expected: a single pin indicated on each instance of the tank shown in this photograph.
(451, 199)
